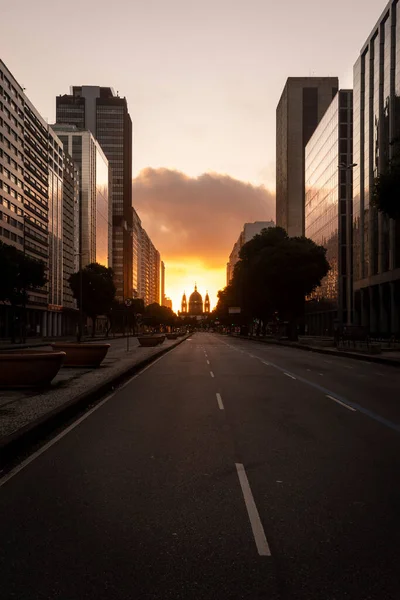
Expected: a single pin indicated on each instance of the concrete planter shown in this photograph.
(82, 355)
(149, 341)
(161, 339)
(171, 336)
(27, 369)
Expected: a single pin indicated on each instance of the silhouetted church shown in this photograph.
(196, 307)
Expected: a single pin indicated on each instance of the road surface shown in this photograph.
(226, 470)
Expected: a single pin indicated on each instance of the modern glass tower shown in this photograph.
(106, 116)
(376, 238)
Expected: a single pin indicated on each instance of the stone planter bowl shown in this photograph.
(149, 341)
(171, 336)
(161, 339)
(26, 369)
(82, 355)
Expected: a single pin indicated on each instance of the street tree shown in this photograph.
(274, 275)
(98, 290)
(19, 274)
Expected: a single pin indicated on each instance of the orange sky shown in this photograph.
(194, 222)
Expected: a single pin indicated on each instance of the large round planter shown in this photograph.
(27, 369)
(82, 355)
(161, 339)
(148, 341)
(171, 336)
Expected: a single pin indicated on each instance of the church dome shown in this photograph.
(195, 297)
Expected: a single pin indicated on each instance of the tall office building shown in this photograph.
(31, 197)
(303, 103)
(70, 221)
(95, 231)
(162, 293)
(376, 238)
(150, 270)
(106, 115)
(136, 249)
(328, 213)
(248, 232)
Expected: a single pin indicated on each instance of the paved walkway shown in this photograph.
(19, 408)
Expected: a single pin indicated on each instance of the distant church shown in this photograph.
(196, 307)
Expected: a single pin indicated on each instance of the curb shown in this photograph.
(390, 362)
(19, 441)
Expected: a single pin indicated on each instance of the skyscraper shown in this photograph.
(95, 231)
(376, 238)
(303, 102)
(106, 115)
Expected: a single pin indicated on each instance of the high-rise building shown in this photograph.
(162, 283)
(95, 232)
(376, 238)
(303, 103)
(136, 250)
(150, 270)
(248, 232)
(328, 213)
(31, 202)
(70, 220)
(106, 115)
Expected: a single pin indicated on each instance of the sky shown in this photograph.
(202, 80)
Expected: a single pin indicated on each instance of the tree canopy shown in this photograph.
(273, 276)
(385, 190)
(98, 289)
(19, 273)
(156, 315)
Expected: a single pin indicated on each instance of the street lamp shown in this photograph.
(347, 235)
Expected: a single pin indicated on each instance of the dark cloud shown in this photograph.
(197, 218)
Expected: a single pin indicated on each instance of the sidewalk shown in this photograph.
(392, 358)
(23, 411)
(5, 344)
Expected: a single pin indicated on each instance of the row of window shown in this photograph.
(10, 235)
(10, 161)
(15, 209)
(11, 146)
(9, 85)
(11, 176)
(11, 117)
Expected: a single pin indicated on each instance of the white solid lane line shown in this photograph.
(219, 400)
(341, 403)
(51, 443)
(255, 521)
(289, 375)
(212, 374)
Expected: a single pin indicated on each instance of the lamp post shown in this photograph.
(346, 240)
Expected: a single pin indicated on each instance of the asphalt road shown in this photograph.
(226, 470)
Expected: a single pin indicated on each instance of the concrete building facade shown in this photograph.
(303, 103)
(106, 115)
(248, 232)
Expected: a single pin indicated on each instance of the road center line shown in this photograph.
(255, 521)
(212, 374)
(341, 403)
(219, 400)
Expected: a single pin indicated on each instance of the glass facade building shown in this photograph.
(106, 115)
(328, 200)
(149, 270)
(376, 238)
(95, 231)
(302, 105)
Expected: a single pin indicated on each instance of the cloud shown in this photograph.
(197, 217)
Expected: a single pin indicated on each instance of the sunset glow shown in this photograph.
(181, 276)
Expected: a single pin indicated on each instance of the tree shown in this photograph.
(156, 315)
(385, 190)
(19, 274)
(98, 290)
(274, 275)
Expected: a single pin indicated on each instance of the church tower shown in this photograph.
(207, 303)
(184, 303)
